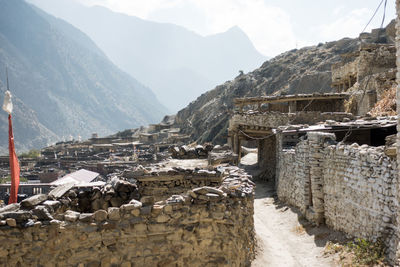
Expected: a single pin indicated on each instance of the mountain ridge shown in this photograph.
(68, 85)
(305, 70)
(156, 52)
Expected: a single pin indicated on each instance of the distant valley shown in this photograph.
(177, 64)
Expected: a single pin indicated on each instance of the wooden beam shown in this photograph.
(282, 99)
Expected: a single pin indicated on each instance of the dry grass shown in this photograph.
(387, 105)
(350, 105)
(359, 252)
(299, 229)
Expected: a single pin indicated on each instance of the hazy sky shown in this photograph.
(274, 26)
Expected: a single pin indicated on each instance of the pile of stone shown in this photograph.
(69, 202)
(190, 152)
(222, 154)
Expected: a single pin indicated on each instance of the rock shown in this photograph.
(146, 210)
(116, 202)
(183, 150)
(19, 216)
(174, 150)
(71, 194)
(208, 147)
(206, 189)
(217, 158)
(10, 207)
(192, 194)
(55, 222)
(135, 212)
(97, 204)
(29, 223)
(100, 215)
(11, 222)
(136, 203)
(42, 213)
(162, 218)
(147, 200)
(95, 195)
(86, 217)
(175, 199)
(71, 216)
(52, 205)
(113, 214)
(213, 197)
(33, 200)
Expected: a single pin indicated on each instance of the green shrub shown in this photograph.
(33, 153)
(367, 252)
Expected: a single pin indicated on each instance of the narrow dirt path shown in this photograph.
(284, 237)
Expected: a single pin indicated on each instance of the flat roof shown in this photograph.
(81, 176)
(339, 126)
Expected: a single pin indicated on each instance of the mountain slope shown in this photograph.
(64, 81)
(176, 63)
(307, 70)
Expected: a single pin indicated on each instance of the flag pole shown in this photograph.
(14, 164)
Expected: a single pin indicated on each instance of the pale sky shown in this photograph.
(274, 26)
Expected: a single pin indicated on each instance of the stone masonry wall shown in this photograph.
(353, 188)
(167, 183)
(396, 247)
(360, 190)
(276, 119)
(206, 226)
(292, 172)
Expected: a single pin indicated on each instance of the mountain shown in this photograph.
(306, 70)
(62, 83)
(176, 63)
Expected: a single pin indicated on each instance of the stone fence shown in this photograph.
(202, 226)
(352, 188)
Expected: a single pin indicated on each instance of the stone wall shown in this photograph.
(359, 190)
(267, 157)
(162, 185)
(396, 247)
(206, 226)
(380, 59)
(292, 174)
(353, 188)
(276, 119)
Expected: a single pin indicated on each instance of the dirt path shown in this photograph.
(284, 237)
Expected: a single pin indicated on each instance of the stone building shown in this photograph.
(368, 73)
(268, 113)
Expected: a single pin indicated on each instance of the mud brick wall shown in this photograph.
(205, 226)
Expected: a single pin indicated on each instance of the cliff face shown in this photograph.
(306, 70)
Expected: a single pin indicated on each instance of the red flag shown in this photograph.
(14, 165)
